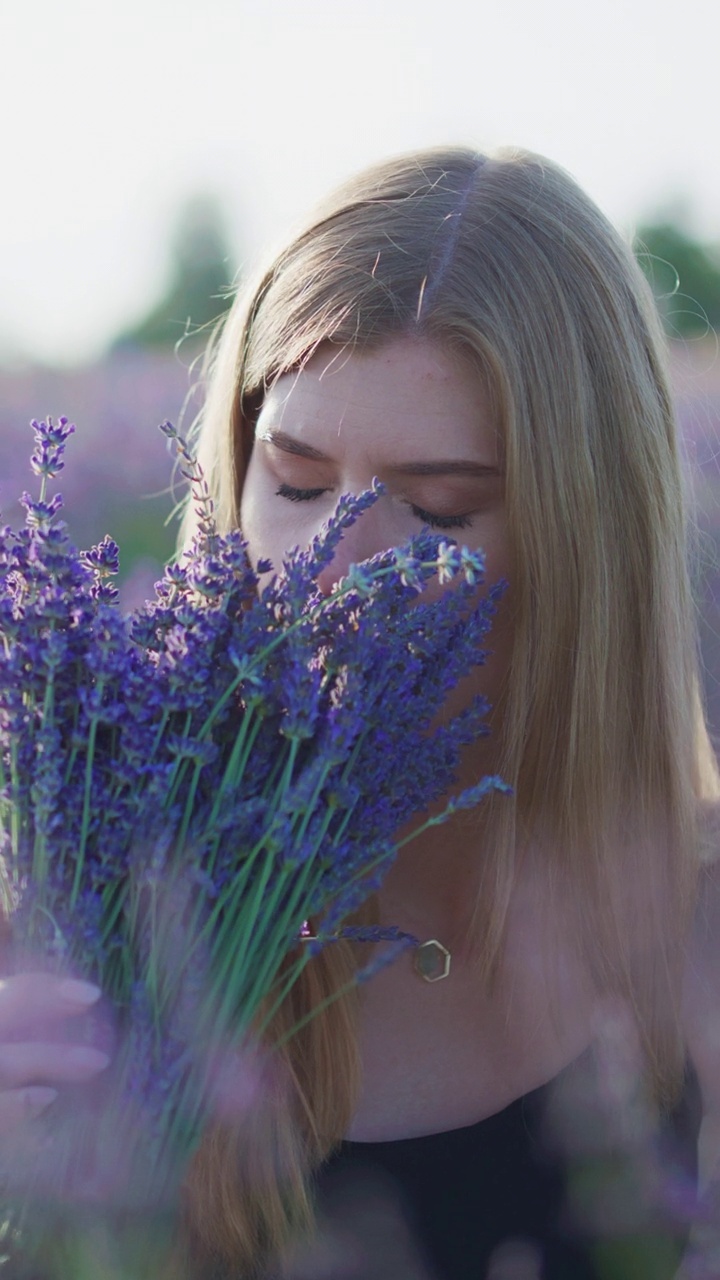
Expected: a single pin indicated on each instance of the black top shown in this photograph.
(563, 1184)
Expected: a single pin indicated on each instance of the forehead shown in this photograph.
(406, 395)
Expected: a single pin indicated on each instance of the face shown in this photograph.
(412, 413)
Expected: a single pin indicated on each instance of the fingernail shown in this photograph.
(77, 992)
(37, 1097)
(83, 1056)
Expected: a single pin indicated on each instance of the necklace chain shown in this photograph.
(431, 960)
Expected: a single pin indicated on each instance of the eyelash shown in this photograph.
(435, 522)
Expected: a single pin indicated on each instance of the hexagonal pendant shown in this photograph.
(432, 961)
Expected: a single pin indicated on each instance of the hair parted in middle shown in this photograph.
(506, 261)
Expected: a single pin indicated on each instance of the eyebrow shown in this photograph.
(441, 467)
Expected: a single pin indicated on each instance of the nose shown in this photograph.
(368, 536)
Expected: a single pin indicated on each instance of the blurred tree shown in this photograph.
(200, 281)
(684, 275)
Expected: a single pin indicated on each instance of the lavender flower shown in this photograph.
(181, 789)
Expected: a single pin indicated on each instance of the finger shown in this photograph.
(20, 1105)
(39, 1063)
(25, 997)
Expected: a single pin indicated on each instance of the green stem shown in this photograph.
(235, 959)
(437, 821)
(39, 867)
(80, 857)
(187, 812)
(324, 1004)
(188, 1105)
(279, 925)
(233, 773)
(151, 980)
(235, 767)
(15, 821)
(257, 991)
(271, 782)
(112, 910)
(290, 759)
(40, 910)
(285, 982)
(76, 712)
(159, 735)
(180, 766)
(213, 715)
(226, 903)
(311, 807)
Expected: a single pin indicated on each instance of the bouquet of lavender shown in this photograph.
(182, 789)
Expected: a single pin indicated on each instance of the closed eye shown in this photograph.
(298, 495)
(440, 522)
(427, 517)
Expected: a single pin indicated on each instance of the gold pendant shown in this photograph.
(432, 961)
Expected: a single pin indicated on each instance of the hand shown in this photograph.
(38, 1012)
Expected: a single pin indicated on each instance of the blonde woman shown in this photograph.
(472, 331)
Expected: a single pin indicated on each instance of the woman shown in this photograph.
(473, 331)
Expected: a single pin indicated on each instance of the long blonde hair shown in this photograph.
(603, 738)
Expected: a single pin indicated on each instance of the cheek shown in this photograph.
(252, 530)
(259, 519)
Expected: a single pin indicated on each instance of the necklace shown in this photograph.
(431, 960)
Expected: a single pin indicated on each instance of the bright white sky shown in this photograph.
(114, 112)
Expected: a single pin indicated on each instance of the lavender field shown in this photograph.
(119, 475)
(119, 478)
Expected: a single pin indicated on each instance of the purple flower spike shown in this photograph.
(47, 459)
(41, 514)
(182, 788)
(104, 558)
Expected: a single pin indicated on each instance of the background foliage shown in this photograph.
(684, 274)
